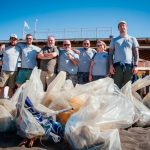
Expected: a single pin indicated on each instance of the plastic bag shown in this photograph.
(14, 99)
(139, 84)
(76, 103)
(91, 138)
(54, 87)
(68, 85)
(60, 98)
(6, 120)
(146, 100)
(143, 113)
(27, 125)
(34, 87)
(106, 108)
(9, 106)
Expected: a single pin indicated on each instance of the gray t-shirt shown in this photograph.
(85, 59)
(29, 54)
(123, 49)
(100, 66)
(49, 64)
(64, 64)
(10, 58)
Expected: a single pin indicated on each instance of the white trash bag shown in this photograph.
(27, 125)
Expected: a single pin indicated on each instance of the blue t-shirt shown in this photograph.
(64, 64)
(85, 59)
(29, 54)
(123, 49)
(100, 66)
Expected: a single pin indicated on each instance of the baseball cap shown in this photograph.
(122, 22)
(13, 36)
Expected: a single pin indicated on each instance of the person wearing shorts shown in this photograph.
(9, 72)
(48, 61)
(28, 60)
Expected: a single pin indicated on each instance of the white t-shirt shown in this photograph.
(10, 58)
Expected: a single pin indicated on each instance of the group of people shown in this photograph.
(81, 65)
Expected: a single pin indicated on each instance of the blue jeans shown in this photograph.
(123, 74)
(73, 78)
(94, 78)
(83, 77)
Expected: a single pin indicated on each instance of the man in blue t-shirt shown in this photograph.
(28, 60)
(123, 56)
(68, 61)
(86, 54)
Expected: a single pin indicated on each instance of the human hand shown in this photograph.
(112, 70)
(76, 51)
(90, 78)
(135, 70)
(70, 57)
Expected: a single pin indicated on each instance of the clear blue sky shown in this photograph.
(59, 14)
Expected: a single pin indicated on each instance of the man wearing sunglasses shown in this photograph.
(68, 61)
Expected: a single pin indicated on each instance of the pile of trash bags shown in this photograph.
(88, 116)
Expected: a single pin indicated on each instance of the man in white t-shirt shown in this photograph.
(11, 54)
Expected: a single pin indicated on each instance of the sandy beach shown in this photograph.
(135, 138)
(12, 140)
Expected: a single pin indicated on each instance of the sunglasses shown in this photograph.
(66, 44)
(100, 45)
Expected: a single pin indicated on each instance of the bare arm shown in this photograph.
(76, 51)
(136, 56)
(111, 67)
(90, 71)
(50, 55)
(136, 59)
(47, 55)
(73, 60)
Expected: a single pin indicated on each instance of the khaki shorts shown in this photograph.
(47, 78)
(8, 78)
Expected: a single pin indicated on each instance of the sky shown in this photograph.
(52, 15)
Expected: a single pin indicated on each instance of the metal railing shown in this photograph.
(68, 33)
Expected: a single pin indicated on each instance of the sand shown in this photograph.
(135, 138)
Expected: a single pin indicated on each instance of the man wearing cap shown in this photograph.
(123, 56)
(28, 58)
(48, 61)
(11, 55)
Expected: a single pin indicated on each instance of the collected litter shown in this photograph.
(89, 116)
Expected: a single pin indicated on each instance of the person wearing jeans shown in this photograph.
(123, 56)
